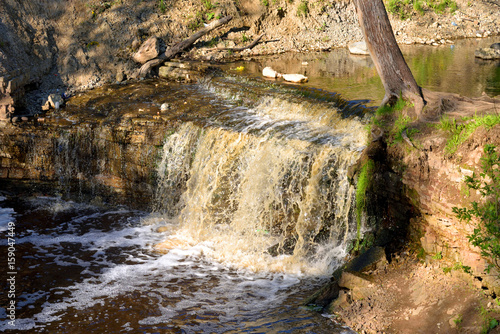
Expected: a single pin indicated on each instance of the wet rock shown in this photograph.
(162, 229)
(54, 101)
(487, 53)
(177, 73)
(150, 49)
(165, 107)
(495, 46)
(358, 48)
(325, 295)
(268, 72)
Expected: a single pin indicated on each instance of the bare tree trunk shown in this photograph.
(389, 61)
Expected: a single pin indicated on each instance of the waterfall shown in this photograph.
(264, 186)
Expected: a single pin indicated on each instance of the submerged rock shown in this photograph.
(495, 46)
(488, 53)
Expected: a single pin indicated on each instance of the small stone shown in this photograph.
(120, 76)
(24, 119)
(55, 100)
(165, 107)
(149, 49)
(136, 44)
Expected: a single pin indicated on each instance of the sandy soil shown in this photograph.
(422, 296)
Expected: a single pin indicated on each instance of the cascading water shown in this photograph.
(254, 200)
(265, 180)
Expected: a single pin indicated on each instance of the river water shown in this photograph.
(252, 200)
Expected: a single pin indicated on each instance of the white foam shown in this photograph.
(6, 216)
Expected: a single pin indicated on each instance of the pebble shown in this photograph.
(165, 107)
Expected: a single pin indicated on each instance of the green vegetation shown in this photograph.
(162, 6)
(364, 181)
(486, 233)
(264, 2)
(400, 123)
(208, 4)
(303, 8)
(489, 323)
(244, 38)
(203, 16)
(460, 132)
(91, 44)
(458, 319)
(457, 266)
(406, 8)
(438, 256)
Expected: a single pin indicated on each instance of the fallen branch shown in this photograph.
(181, 46)
(249, 46)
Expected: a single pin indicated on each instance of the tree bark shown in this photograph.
(181, 46)
(389, 61)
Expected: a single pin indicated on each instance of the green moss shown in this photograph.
(364, 181)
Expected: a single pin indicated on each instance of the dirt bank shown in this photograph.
(419, 295)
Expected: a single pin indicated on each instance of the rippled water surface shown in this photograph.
(85, 269)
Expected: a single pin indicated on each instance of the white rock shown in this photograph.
(358, 48)
(268, 72)
(295, 77)
(165, 107)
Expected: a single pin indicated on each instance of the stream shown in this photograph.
(251, 213)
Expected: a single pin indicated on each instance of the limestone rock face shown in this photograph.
(150, 49)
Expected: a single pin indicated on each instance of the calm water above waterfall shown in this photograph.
(251, 197)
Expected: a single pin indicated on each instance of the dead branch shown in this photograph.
(249, 46)
(181, 46)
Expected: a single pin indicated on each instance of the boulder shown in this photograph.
(358, 48)
(351, 281)
(359, 286)
(487, 53)
(325, 295)
(495, 46)
(150, 49)
(297, 78)
(268, 72)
